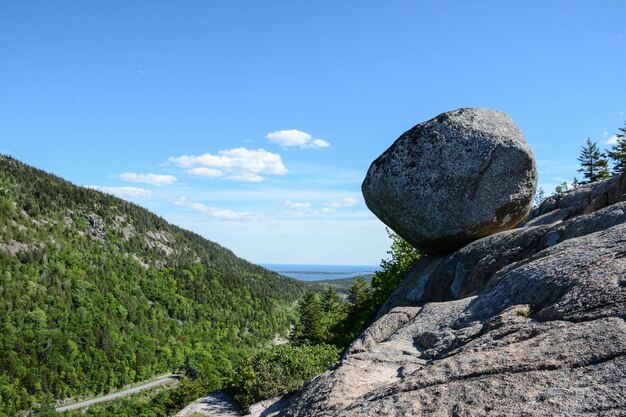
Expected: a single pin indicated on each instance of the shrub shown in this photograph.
(279, 370)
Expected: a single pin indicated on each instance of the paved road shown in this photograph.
(162, 380)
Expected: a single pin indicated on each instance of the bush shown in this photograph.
(279, 370)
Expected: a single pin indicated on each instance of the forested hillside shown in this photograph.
(96, 293)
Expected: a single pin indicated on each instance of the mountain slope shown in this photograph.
(96, 292)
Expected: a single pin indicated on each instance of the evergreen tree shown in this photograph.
(618, 152)
(594, 164)
(540, 196)
(358, 295)
(330, 301)
(309, 327)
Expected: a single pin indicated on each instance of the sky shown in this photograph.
(254, 123)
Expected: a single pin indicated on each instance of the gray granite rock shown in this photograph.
(527, 322)
(453, 179)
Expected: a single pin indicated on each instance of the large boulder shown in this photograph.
(526, 322)
(453, 179)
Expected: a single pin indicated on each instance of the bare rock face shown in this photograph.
(453, 179)
(526, 322)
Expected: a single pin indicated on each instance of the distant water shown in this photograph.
(320, 272)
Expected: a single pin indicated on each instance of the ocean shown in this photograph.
(321, 272)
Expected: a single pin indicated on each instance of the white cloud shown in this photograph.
(342, 203)
(205, 172)
(296, 205)
(296, 138)
(122, 191)
(307, 209)
(152, 179)
(247, 177)
(214, 212)
(612, 140)
(298, 209)
(239, 164)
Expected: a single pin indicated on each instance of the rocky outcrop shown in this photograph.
(526, 322)
(453, 179)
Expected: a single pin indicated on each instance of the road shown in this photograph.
(167, 379)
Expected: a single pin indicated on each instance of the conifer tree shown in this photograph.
(594, 164)
(330, 301)
(309, 327)
(540, 197)
(618, 152)
(359, 295)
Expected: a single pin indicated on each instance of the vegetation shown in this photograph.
(327, 324)
(340, 285)
(280, 370)
(593, 163)
(393, 270)
(97, 293)
(618, 152)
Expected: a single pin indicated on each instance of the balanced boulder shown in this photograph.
(463, 175)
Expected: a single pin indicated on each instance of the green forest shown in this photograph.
(97, 293)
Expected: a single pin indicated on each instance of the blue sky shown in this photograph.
(253, 123)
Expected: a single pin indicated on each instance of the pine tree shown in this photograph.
(358, 295)
(309, 327)
(540, 197)
(594, 164)
(618, 152)
(330, 300)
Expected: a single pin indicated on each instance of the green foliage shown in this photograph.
(359, 295)
(330, 302)
(97, 293)
(326, 325)
(309, 325)
(618, 152)
(341, 285)
(563, 187)
(594, 164)
(279, 370)
(393, 270)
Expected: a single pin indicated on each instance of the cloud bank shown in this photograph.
(214, 212)
(239, 164)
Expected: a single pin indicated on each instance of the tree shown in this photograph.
(358, 296)
(540, 196)
(393, 270)
(562, 187)
(618, 152)
(309, 327)
(330, 301)
(594, 164)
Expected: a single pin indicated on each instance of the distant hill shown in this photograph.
(97, 292)
(341, 285)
